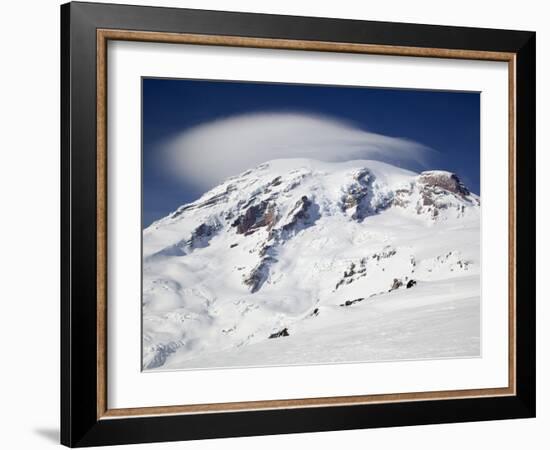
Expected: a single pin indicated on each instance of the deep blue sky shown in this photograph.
(447, 122)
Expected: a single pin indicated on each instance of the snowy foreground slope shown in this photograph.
(301, 262)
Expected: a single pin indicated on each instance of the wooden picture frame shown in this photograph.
(86, 418)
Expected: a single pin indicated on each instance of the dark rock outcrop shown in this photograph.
(397, 283)
(386, 252)
(200, 237)
(298, 213)
(259, 274)
(436, 191)
(352, 302)
(264, 215)
(209, 201)
(444, 180)
(276, 181)
(353, 273)
(283, 333)
(359, 197)
(356, 271)
(402, 197)
(303, 215)
(255, 217)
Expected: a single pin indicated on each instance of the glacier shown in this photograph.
(300, 261)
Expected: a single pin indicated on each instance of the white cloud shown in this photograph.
(207, 154)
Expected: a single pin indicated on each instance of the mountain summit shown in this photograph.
(270, 258)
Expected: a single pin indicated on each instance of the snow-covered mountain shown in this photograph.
(300, 261)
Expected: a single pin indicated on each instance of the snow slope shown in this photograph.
(300, 261)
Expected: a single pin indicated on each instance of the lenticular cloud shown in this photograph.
(209, 153)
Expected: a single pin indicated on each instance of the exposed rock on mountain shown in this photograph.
(433, 192)
(444, 180)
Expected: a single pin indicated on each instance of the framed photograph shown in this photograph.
(277, 224)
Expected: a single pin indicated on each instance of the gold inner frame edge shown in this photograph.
(103, 36)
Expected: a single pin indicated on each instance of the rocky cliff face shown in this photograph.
(435, 192)
(265, 249)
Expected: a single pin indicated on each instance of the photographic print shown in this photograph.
(290, 224)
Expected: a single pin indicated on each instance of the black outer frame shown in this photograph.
(79, 423)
